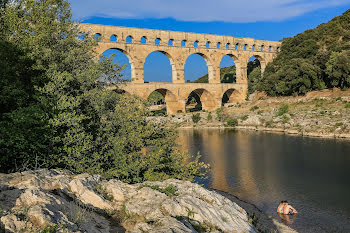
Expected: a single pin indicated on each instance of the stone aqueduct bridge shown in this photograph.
(211, 47)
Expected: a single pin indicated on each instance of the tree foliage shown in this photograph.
(55, 113)
(313, 60)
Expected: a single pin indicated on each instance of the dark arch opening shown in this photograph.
(98, 37)
(159, 67)
(113, 38)
(128, 39)
(253, 73)
(193, 103)
(122, 59)
(253, 48)
(218, 45)
(228, 69)
(231, 96)
(157, 41)
(197, 68)
(195, 44)
(269, 48)
(207, 45)
(183, 43)
(171, 42)
(228, 46)
(143, 40)
(236, 46)
(157, 100)
(262, 48)
(245, 47)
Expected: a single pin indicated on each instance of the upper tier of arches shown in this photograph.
(180, 39)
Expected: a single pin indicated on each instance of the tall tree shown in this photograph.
(68, 119)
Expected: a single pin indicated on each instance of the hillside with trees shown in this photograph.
(313, 60)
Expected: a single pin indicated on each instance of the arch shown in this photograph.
(231, 96)
(129, 39)
(228, 69)
(113, 38)
(195, 44)
(236, 46)
(228, 46)
(81, 36)
(245, 47)
(157, 41)
(197, 61)
(98, 37)
(253, 47)
(270, 48)
(207, 45)
(218, 45)
(171, 42)
(278, 49)
(183, 43)
(121, 57)
(159, 66)
(143, 40)
(262, 48)
(205, 100)
(254, 72)
(169, 99)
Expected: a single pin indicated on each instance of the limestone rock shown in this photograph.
(33, 201)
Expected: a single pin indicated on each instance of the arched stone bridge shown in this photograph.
(178, 46)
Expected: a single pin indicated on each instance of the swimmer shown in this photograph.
(288, 209)
(281, 207)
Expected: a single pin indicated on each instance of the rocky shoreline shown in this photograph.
(58, 201)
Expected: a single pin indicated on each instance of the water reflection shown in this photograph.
(312, 174)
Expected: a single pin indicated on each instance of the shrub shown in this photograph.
(244, 118)
(196, 118)
(169, 190)
(347, 105)
(219, 114)
(283, 109)
(232, 122)
(252, 109)
(210, 117)
(260, 112)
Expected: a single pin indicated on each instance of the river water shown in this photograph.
(264, 168)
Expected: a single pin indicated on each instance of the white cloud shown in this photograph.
(201, 10)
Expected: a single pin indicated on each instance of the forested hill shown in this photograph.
(315, 59)
(227, 75)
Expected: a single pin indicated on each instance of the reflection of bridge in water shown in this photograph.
(178, 46)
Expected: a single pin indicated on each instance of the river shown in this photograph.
(264, 168)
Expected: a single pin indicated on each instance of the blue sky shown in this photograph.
(267, 20)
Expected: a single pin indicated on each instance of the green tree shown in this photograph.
(64, 117)
(338, 69)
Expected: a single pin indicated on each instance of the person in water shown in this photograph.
(288, 209)
(281, 207)
(285, 208)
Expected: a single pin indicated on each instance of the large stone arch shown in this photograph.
(236, 61)
(233, 95)
(131, 61)
(172, 62)
(173, 105)
(208, 100)
(211, 73)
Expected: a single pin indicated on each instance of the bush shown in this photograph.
(252, 109)
(244, 118)
(347, 105)
(196, 118)
(232, 122)
(210, 117)
(283, 110)
(219, 114)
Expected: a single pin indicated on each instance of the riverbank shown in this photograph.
(57, 201)
(324, 114)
